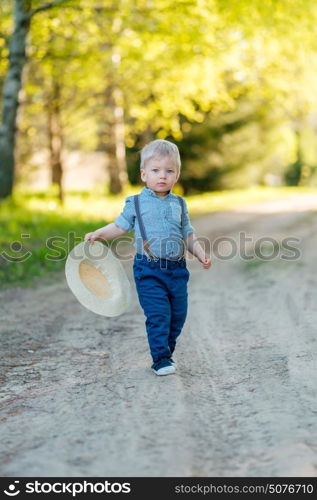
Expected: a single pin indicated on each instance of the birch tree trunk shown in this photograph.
(13, 83)
(11, 88)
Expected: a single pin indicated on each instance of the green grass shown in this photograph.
(17, 219)
(40, 216)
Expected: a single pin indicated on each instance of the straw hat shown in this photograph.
(97, 279)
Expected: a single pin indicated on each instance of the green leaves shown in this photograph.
(171, 60)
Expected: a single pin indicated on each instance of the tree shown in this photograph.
(23, 14)
(112, 70)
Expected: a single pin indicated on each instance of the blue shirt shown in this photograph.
(162, 222)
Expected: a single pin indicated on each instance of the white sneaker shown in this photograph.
(165, 370)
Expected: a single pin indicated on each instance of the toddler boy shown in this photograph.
(162, 231)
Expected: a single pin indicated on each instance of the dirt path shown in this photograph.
(78, 398)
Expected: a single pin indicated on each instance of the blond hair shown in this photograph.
(160, 147)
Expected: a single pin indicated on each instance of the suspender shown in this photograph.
(142, 228)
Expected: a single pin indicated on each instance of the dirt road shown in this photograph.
(79, 399)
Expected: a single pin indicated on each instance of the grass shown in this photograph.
(28, 221)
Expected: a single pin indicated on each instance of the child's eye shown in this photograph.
(156, 169)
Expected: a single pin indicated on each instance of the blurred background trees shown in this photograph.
(85, 84)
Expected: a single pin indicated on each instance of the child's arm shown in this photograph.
(121, 225)
(191, 242)
(108, 232)
(194, 247)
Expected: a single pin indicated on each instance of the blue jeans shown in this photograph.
(162, 292)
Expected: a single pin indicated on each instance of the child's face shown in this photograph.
(160, 174)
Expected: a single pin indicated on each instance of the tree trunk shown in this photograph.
(11, 88)
(294, 172)
(55, 139)
(114, 143)
(146, 136)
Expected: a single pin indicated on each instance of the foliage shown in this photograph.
(180, 75)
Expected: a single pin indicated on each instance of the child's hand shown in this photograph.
(206, 261)
(91, 237)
